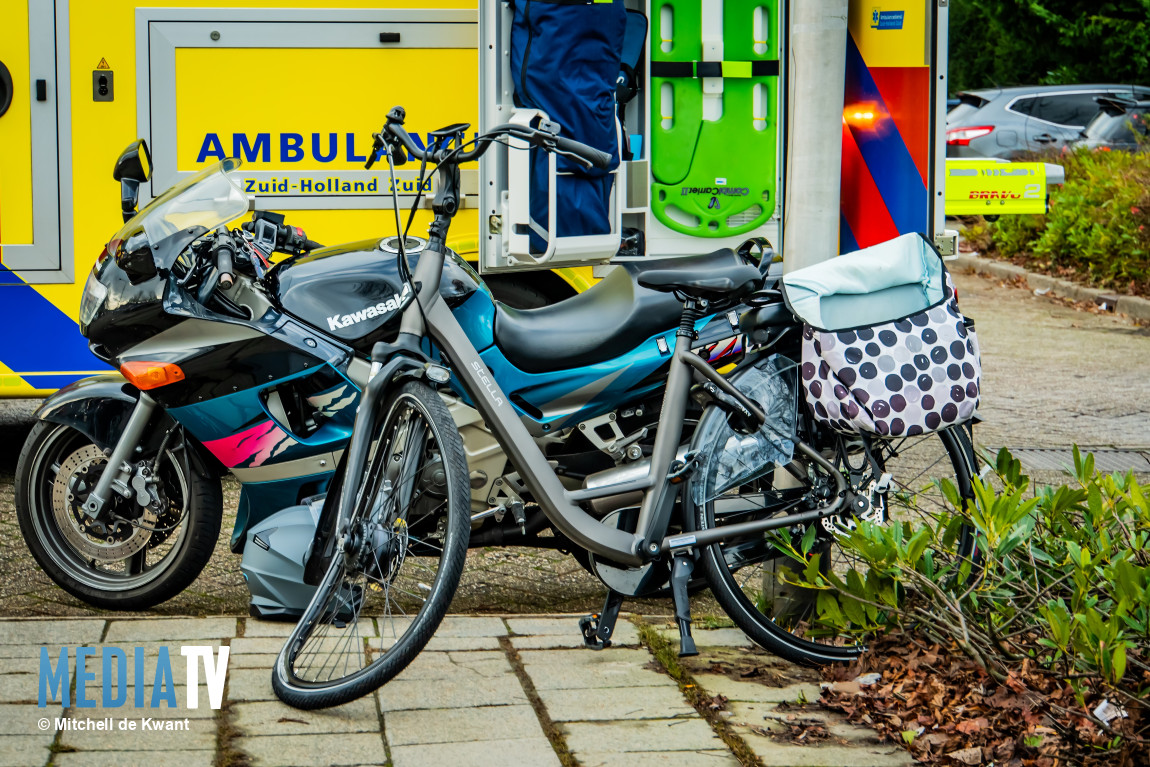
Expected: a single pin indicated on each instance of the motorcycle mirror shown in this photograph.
(133, 168)
(134, 163)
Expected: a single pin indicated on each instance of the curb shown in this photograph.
(1135, 307)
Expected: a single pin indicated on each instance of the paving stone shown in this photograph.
(24, 720)
(461, 725)
(718, 684)
(768, 716)
(664, 759)
(252, 660)
(611, 703)
(250, 684)
(521, 752)
(314, 750)
(778, 754)
(550, 625)
(580, 669)
(257, 645)
(139, 631)
(19, 688)
(24, 750)
(135, 758)
(54, 632)
(275, 718)
(459, 692)
(463, 626)
(457, 665)
(23, 651)
(452, 626)
(200, 735)
(254, 627)
(30, 664)
(726, 637)
(445, 643)
(562, 633)
(590, 739)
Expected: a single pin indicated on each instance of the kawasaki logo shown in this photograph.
(339, 321)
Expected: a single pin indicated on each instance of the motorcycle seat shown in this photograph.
(606, 321)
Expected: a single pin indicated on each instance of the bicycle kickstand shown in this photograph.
(683, 564)
(597, 628)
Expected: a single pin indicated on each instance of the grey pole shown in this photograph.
(817, 66)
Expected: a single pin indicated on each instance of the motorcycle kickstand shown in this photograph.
(683, 564)
(597, 628)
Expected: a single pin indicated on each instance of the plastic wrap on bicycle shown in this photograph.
(728, 458)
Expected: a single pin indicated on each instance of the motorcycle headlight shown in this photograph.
(94, 294)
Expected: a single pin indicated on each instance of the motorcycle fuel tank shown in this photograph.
(354, 292)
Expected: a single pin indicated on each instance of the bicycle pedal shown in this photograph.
(589, 628)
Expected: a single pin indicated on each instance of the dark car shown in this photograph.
(1123, 124)
(1006, 122)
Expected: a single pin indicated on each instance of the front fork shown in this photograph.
(119, 472)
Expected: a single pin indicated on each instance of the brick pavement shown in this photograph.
(514, 691)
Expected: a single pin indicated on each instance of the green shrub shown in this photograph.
(1097, 225)
(1062, 584)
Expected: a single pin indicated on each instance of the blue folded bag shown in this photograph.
(565, 60)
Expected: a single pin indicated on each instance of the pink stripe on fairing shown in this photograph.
(251, 447)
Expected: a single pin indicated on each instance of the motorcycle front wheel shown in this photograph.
(131, 557)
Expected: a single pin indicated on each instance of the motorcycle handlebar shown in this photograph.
(225, 265)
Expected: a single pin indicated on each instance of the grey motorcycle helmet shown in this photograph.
(273, 561)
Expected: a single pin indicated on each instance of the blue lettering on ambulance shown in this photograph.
(291, 147)
(211, 148)
(332, 145)
(252, 152)
(351, 155)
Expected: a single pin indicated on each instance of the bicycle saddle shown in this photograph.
(719, 281)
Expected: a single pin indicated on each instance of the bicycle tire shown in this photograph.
(329, 602)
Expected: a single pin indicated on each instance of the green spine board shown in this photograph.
(694, 152)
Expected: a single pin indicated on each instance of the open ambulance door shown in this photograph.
(704, 134)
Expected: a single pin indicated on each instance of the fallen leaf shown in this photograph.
(972, 755)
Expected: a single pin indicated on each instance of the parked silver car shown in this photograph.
(1005, 122)
(1123, 124)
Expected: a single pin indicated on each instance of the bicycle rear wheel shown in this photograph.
(744, 574)
(396, 567)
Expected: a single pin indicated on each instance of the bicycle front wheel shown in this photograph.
(748, 579)
(396, 566)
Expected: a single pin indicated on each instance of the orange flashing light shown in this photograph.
(862, 116)
(151, 375)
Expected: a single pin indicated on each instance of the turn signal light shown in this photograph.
(151, 375)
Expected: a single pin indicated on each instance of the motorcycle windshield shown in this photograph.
(210, 198)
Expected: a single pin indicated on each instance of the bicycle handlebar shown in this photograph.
(396, 137)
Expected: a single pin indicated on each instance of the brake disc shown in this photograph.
(100, 539)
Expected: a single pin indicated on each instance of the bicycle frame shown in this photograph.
(433, 318)
(429, 315)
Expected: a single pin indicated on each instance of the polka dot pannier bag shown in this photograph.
(885, 349)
